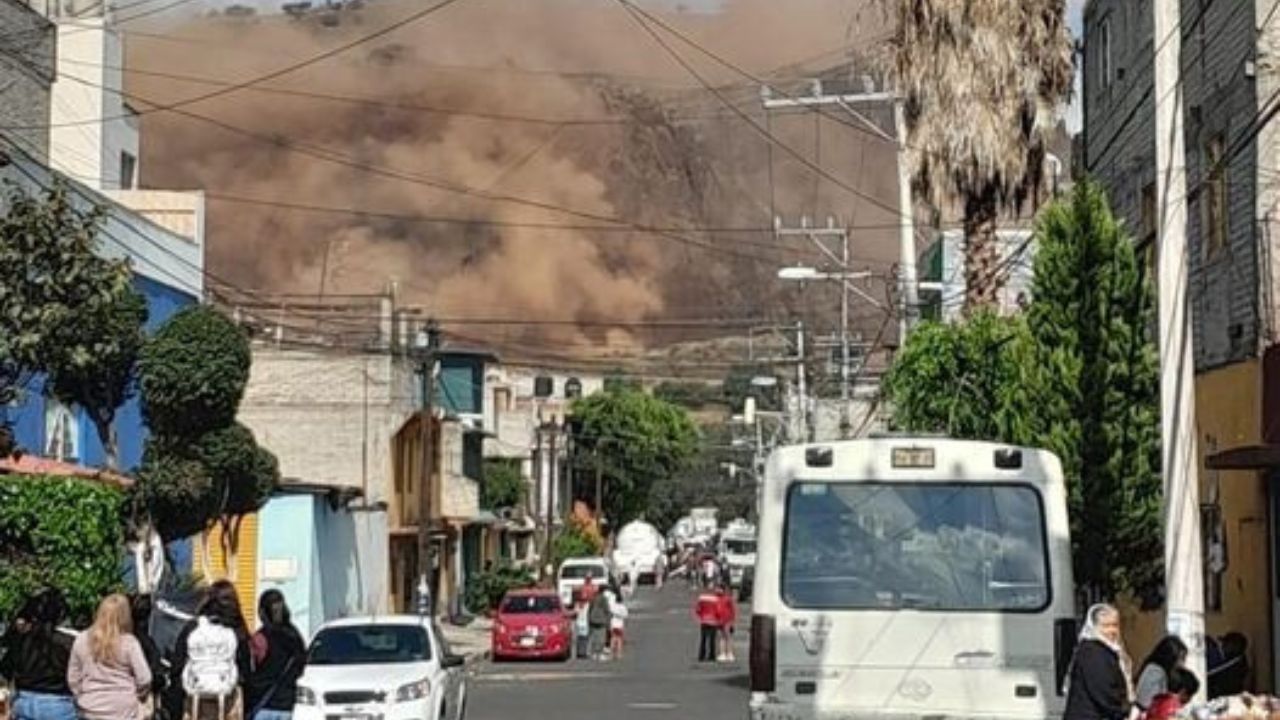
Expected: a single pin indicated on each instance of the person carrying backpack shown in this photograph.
(211, 660)
(598, 617)
(279, 654)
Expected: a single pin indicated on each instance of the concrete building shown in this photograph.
(27, 70)
(521, 399)
(1229, 77)
(332, 419)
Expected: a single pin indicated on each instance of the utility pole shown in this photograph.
(1182, 553)
(426, 342)
(806, 429)
(599, 497)
(908, 290)
(551, 485)
(539, 486)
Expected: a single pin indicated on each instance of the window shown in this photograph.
(61, 432)
(531, 605)
(1106, 69)
(370, 645)
(886, 546)
(1214, 201)
(128, 171)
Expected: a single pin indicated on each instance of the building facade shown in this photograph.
(28, 51)
(1229, 72)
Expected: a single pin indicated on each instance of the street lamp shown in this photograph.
(802, 273)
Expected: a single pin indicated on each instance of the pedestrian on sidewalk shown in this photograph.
(37, 655)
(279, 655)
(108, 672)
(727, 614)
(617, 624)
(706, 611)
(1099, 681)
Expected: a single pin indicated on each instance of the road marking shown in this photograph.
(652, 706)
(541, 676)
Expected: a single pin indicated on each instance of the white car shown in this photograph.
(574, 572)
(396, 667)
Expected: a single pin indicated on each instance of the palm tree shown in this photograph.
(982, 84)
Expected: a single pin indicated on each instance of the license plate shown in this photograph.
(350, 716)
(528, 642)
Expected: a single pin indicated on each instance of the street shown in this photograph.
(657, 676)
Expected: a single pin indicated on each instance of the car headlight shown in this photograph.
(414, 691)
(306, 696)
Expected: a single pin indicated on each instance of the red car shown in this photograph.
(532, 624)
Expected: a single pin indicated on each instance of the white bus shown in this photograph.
(911, 578)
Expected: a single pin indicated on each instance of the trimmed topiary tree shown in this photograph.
(193, 373)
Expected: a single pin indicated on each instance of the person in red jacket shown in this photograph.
(706, 610)
(727, 615)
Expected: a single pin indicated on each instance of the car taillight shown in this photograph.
(764, 653)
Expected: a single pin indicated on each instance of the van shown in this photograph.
(573, 574)
(911, 578)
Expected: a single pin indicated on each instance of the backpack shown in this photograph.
(211, 660)
(599, 613)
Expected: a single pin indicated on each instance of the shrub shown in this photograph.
(63, 533)
(485, 590)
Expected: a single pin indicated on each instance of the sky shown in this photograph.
(1075, 15)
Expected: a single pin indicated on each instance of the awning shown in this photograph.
(1245, 457)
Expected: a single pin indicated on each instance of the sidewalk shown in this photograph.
(471, 641)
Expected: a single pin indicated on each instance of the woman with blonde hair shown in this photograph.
(108, 674)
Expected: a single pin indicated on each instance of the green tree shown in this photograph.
(1094, 376)
(638, 440)
(706, 482)
(96, 370)
(1078, 375)
(503, 486)
(193, 373)
(64, 309)
(961, 380)
(200, 466)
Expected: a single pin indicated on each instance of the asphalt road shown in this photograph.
(657, 677)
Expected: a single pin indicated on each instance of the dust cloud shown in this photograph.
(471, 156)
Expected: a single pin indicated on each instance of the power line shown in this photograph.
(286, 70)
(638, 17)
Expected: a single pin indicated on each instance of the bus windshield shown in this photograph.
(874, 546)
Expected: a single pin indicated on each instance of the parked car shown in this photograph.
(395, 668)
(532, 624)
(574, 572)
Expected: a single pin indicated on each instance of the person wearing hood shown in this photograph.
(1099, 686)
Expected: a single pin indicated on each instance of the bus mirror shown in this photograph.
(1008, 459)
(820, 456)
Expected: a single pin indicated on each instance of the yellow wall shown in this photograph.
(246, 574)
(1228, 414)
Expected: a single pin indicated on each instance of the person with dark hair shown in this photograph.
(1183, 686)
(279, 656)
(36, 658)
(140, 612)
(1168, 655)
(1229, 675)
(221, 607)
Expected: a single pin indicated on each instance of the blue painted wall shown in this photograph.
(320, 545)
(28, 417)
